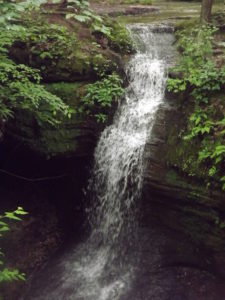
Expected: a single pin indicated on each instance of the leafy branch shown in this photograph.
(7, 274)
(20, 87)
(101, 94)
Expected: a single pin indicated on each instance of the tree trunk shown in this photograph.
(206, 10)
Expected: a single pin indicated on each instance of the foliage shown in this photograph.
(196, 48)
(20, 89)
(46, 44)
(47, 41)
(20, 86)
(11, 10)
(199, 73)
(84, 14)
(116, 34)
(5, 273)
(101, 94)
(119, 39)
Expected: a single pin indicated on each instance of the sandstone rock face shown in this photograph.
(171, 197)
(74, 137)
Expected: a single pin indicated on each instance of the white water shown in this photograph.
(101, 268)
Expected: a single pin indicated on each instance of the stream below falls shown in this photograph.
(121, 259)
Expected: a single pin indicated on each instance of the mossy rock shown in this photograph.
(67, 50)
(119, 40)
(183, 154)
(174, 188)
(72, 137)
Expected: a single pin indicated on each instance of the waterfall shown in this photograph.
(101, 268)
(118, 171)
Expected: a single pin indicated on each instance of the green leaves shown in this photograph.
(13, 215)
(196, 64)
(20, 89)
(5, 273)
(85, 15)
(102, 93)
(81, 18)
(200, 73)
(11, 275)
(101, 28)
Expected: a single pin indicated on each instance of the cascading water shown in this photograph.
(101, 268)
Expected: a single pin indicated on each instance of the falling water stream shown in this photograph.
(104, 266)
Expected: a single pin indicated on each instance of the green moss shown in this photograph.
(182, 154)
(188, 189)
(59, 142)
(69, 92)
(203, 226)
(202, 232)
(174, 179)
(66, 138)
(187, 24)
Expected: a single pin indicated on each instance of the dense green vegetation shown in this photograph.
(102, 94)
(199, 73)
(20, 86)
(45, 47)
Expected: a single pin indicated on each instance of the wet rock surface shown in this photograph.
(172, 267)
(185, 207)
(167, 264)
(119, 10)
(176, 189)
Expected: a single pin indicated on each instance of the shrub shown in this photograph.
(199, 73)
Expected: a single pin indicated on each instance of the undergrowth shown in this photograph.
(199, 73)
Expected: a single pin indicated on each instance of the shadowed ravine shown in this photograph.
(119, 259)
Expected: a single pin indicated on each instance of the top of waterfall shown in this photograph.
(155, 40)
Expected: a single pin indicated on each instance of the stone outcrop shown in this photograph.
(66, 73)
(72, 137)
(173, 198)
